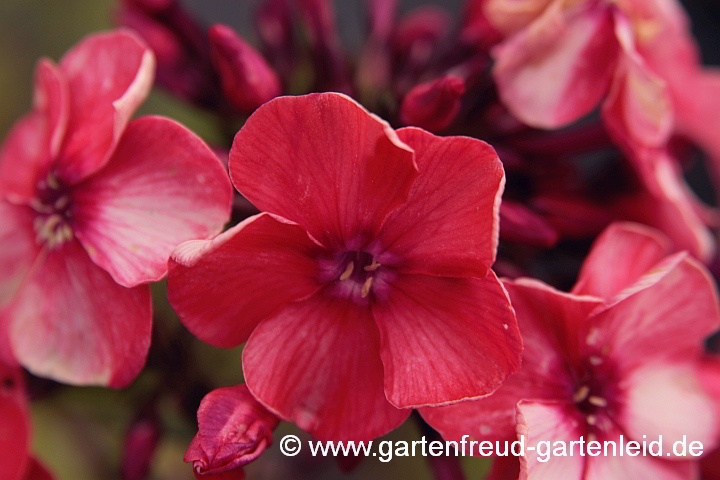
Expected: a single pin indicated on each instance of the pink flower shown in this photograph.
(365, 288)
(233, 430)
(618, 355)
(92, 205)
(15, 460)
(635, 57)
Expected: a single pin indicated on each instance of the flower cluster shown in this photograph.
(369, 266)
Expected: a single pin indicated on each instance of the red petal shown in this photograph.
(71, 322)
(233, 430)
(546, 317)
(14, 424)
(444, 340)
(323, 161)
(449, 224)
(222, 288)
(549, 422)
(621, 255)
(34, 141)
(664, 316)
(559, 67)
(317, 363)
(163, 186)
(18, 249)
(37, 471)
(109, 76)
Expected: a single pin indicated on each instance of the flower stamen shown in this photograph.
(348, 271)
(581, 394)
(366, 287)
(597, 401)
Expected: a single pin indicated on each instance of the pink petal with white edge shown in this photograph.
(444, 340)
(669, 400)
(449, 225)
(71, 322)
(664, 316)
(163, 186)
(545, 317)
(32, 144)
(549, 422)
(558, 68)
(620, 255)
(324, 162)
(317, 363)
(622, 467)
(14, 424)
(639, 108)
(109, 75)
(222, 288)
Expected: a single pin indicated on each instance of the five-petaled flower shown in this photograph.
(233, 430)
(365, 288)
(92, 205)
(619, 355)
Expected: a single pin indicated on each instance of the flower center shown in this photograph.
(594, 394)
(52, 204)
(360, 270)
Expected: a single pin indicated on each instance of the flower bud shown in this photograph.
(433, 105)
(140, 443)
(247, 79)
(233, 430)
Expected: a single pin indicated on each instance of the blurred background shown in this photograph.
(80, 432)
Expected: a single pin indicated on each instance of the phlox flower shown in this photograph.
(92, 205)
(619, 355)
(364, 288)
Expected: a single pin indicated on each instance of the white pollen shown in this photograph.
(506, 326)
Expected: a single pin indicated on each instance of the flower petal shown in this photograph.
(163, 186)
(664, 316)
(638, 110)
(317, 363)
(444, 340)
(222, 288)
(14, 424)
(449, 224)
(37, 471)
(544, 317)
(669, 400)
(71, 322)
(621, 467)
(34, 141)
(323, 161)
(559, 67)
(620, 256)
(18, 249)
(551, 422)
(109, 76)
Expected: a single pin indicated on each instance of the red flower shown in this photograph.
(366, 288)
(15, 461)
(233, 430)
(92, 205)
(618, 355)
